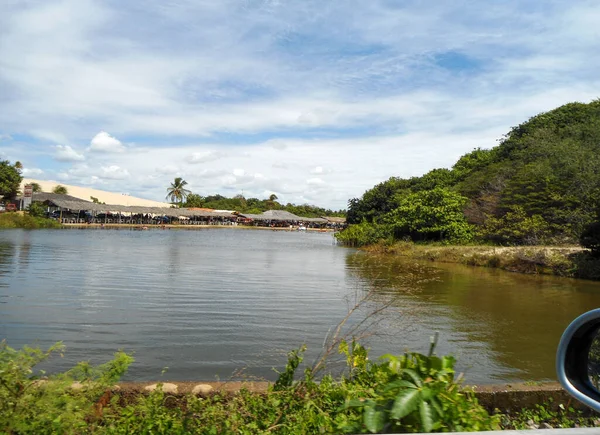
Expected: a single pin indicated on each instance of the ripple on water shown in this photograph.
(207, 303)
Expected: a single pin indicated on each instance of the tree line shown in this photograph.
(540, 185)
(179, 195)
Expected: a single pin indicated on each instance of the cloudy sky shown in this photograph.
(314, 100)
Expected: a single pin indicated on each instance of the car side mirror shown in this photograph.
(578, 359)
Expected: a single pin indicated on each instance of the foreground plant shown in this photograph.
(412, 393)
(408, 393)
(64, 403)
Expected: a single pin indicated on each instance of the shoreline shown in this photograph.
(505, 397)
(563, 261)
(140, 227)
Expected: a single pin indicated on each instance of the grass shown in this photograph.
(568, 261)
(23, 220)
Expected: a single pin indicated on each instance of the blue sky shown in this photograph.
(315, 101)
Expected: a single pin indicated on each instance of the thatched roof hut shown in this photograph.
(71, 203)
(335, 219)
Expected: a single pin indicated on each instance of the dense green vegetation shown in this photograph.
(26, 221)
(408, 393)
(255, 205)
(182, 197)
(540, 185)
(10, 179)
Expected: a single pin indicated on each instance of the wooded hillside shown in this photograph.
(541, 184)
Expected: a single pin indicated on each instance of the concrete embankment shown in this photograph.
(507, 398)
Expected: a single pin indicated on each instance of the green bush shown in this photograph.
(413, 393)
(408, 393)
(26, 221)
(431, 215)
(364, 234)
(32, 404)
(36, 210)
(517, 228)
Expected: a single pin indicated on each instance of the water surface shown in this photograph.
(208, 303)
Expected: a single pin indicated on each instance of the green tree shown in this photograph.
(194, 200)
(516, 227)
(36, 187)
(177, 192)
(60, 190)
(435, 214)
(272, 202)
(10, 179)
(377, 201)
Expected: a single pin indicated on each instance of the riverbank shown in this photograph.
(565, 261)
(190, 227)
(25, 221)
(506, 398)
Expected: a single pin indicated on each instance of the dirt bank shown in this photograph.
(567, 261)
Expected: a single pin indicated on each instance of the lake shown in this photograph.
(213, 303)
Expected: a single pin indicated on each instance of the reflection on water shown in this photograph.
(206, 303)
(514, 319)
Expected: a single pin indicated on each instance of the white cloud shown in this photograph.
(114, 172)
(378, 90)
(105, 143)
(320, 170)
(32, 171)
(205, 156)
(168, 169)
(64, 153)
(315, 182)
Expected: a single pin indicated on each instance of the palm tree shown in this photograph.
(177, 192)
(60, 190)
(36, 188)
(272, 201)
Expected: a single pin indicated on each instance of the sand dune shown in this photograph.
(108, 197)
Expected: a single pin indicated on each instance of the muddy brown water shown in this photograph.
(211, 303)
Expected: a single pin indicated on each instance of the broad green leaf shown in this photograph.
(414, 375)
(436, 406)
(426, 414)
(435, 363)
(427, 393)
(448, 362)
(356, 403)
(406, 402)
(398, 384)
(374, 420)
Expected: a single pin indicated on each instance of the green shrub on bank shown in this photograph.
(408, 393)
(364, 234)
(36, 210)
(517, 228)
(26, 221)
(32, 404)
